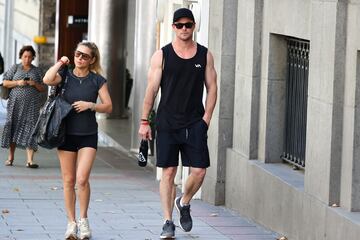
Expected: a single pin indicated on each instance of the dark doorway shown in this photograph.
(72, 26)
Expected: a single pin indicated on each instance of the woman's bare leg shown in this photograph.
(86, 157)
(68, 172)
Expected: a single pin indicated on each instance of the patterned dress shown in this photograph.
(23, 108)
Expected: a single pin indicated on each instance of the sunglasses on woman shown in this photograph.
(181, 25)
(84, 56)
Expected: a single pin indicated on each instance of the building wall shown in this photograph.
(2, 25)
(297, 204)
(28, 12)
(22, 34)
(47, 28)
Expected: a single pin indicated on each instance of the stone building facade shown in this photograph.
(20, 22)
(247, 137)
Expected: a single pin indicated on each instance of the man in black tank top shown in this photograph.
(180, 69)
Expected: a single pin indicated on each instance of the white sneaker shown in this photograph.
(71, 231)
(84, 229)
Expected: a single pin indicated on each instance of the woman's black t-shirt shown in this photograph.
(81, 89)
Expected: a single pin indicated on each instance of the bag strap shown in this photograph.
(60, 88)
(64, 82)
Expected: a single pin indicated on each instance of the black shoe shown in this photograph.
(185, 220)
(168, 230)
(31, 165)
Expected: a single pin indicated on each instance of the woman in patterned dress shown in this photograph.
(23, 106)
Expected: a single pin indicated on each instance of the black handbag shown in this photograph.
(1, 64)
(50, 129)
(4, 92)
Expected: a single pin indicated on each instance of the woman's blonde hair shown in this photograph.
(94, 67)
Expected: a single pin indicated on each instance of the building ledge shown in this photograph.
(284, 172)
(295, 179)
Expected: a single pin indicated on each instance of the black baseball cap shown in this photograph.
(183, 13)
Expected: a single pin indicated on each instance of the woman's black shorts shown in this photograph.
(191, 142)
(74, 143)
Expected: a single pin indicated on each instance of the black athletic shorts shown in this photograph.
(74, 143)
(191, 142)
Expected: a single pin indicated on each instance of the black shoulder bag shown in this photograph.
(50, 129)
(1, 64)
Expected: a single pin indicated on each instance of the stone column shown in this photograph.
(350, 168)
(47, 28)
(107, 28)
(130, 37)
(247, 79)
(222, 44)
(246, 102)
(8, 40)
(145, 45)
(326, 100)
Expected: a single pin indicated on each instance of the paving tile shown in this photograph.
(226, 221)
(249, 230)
(252, 237)
(31, 236)
(124, 204)
(6, 237)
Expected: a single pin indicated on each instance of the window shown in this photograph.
(296, 102)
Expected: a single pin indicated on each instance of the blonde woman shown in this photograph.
(84, 85)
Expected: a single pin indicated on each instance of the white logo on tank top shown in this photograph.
(198, 65)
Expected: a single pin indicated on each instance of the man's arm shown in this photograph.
(153, 85)
(211, 88)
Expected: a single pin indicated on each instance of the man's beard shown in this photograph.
(186, 38)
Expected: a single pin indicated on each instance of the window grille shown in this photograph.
(296, 102)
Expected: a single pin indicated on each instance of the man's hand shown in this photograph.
(206, 119)
(145, 131)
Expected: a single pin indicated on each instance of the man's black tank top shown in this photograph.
(182, 86)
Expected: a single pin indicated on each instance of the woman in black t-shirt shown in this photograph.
(84, 85)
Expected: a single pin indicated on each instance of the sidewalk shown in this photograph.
(124, 200)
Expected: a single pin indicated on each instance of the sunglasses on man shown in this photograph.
(84, 56)
(181, 25)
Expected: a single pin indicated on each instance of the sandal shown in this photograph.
(9, 162)
(31, 165)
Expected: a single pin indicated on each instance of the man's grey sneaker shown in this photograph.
(71, 231)
(168, 230)
(84, 229)
(185, 220)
